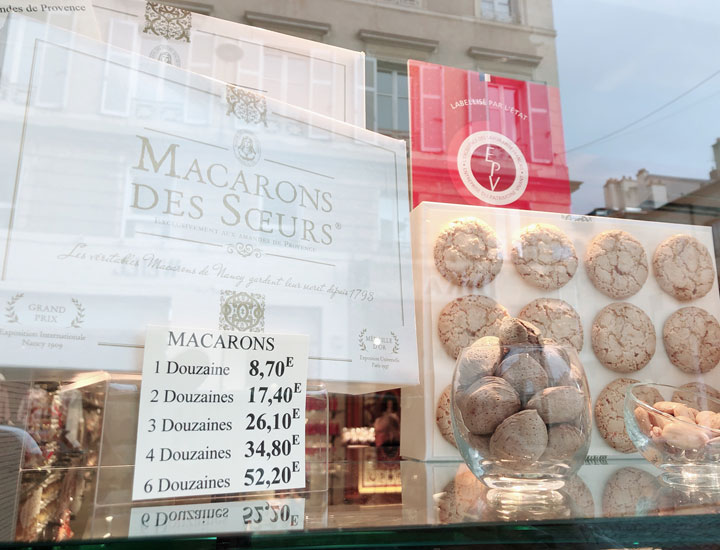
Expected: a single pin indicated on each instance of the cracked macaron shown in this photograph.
(443, 417)
(466, 319)
(623, 337)
(616, 264)
(683, 267)
(467, 252)
(609, 417)
(556, 319)
(692, 340)
(544, 256)
(696, 394)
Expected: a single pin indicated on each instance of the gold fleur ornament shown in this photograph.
(247, 106)
(167, 21)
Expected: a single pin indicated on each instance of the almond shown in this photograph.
(684, 436)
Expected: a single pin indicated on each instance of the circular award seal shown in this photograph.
(246, 147)
(492, 167)
(165, 54)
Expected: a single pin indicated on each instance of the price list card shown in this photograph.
(220, 412)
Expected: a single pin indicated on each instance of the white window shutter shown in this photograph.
(540, 126)
(432, 113)
(370, 93)
(115, 100)
(198, 105)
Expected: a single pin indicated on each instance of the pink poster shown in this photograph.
(481, 139)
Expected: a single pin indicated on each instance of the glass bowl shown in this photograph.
(667, 433)
(521, 413)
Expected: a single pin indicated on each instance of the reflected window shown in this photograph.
(432, 109)
(499, 10)
(387, 109)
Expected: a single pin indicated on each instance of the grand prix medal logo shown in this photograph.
(492, 167)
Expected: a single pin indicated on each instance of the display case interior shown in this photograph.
(69, 449)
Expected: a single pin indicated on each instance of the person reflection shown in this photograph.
(387, 430)
(387, 424)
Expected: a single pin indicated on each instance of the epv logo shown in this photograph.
(492, 167)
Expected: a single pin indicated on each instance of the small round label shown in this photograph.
(165, 54)
(246, 147)
(492, 167)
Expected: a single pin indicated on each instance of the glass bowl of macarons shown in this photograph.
(677, 430)
(521, 409)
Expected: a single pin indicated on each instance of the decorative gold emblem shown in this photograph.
(244, 249)
(10, 313)
(246, 147)
(242, 311)
(167, 21)
(79, 318)
(246, 105)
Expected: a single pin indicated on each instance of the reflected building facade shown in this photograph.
(671, 199)
(508, 38)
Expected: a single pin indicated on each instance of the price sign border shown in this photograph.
(246, 415)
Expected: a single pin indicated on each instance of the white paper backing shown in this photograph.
(511, 291)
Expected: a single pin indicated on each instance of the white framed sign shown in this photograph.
(266, 218)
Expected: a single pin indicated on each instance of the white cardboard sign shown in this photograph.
(220, 412)
(233, 210)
